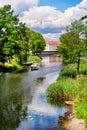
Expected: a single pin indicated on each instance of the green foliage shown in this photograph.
(9, 67)
(37, 43)
(33, 58)
(16, 39)
(62, 89)
(83, 69)
(69, 71)
(68, 88)
(7, 26)
(81, 99)
(73, 43)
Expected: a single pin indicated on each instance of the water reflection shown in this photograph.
(10, 106)
(13, 100)
(40, 114)
(23, 101)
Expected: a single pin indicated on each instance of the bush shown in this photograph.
(33, 58)
(81, 99)
(83, 69)
(68, 72)
(62, 89)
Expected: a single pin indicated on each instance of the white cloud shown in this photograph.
(46, 17)
(20, 5)
(53, 36)
(50, 17)
(43, 17)
(83, 4)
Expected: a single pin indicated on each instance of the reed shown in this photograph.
(83, 69)
(69, 71)
(81, 99)
(70, 86)
(62, 89)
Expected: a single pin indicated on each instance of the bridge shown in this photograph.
(47, 53)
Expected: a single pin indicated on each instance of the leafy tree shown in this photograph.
(16, 39)
(84, 18)
(73, 43)
(14, 36)
(37, 42)
(22, 48)
(8, 24)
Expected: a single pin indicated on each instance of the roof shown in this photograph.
(53, 42)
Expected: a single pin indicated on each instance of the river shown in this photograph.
(23, 103)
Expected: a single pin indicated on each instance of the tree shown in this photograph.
(16, 39)
(22, 48)
(84, 18)
(8, 23)
(14, 36)
(37, 42)
(73, 43)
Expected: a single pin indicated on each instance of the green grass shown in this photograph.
(13, 65)
(62, 89)
(33, 58)
(81, 99)
(70, 86)
(0, 73)
(83, 69)
(10, 67)
(69, 71)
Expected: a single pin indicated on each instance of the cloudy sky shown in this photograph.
(49, 17)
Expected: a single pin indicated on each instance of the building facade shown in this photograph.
(52, 45)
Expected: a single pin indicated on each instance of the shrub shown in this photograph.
(81, 99)
(33, 58)
(62, 89)
(83, 69)
(68, 71)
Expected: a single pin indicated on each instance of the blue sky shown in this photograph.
(49, 17)
(59, 4)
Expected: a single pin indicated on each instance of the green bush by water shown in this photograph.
(63, 89)
(10, 67)
(83, 69)
(33, 58)
(81, 99)
(69, 71)
(71, 86)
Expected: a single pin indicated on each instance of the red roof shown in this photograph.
(53, 42)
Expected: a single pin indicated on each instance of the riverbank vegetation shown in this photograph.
(72, 81)
(17, 41)
(72, 87)
(34, 58)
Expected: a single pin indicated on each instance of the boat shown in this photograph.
(35, 66)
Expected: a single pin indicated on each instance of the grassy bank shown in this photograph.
(14, 66)
(70, 86)
(34, 58)
(10, 67)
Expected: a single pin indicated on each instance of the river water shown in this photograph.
(23, 103)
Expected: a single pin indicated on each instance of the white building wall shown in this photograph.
(50, 47)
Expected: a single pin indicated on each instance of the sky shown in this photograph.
(49, 17)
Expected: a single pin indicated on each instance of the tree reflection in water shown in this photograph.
(13, 100)
(11, 107)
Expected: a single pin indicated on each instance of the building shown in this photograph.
(51, 45)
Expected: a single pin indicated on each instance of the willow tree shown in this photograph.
(73, 43)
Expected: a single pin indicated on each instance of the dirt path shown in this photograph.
(75, 124)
